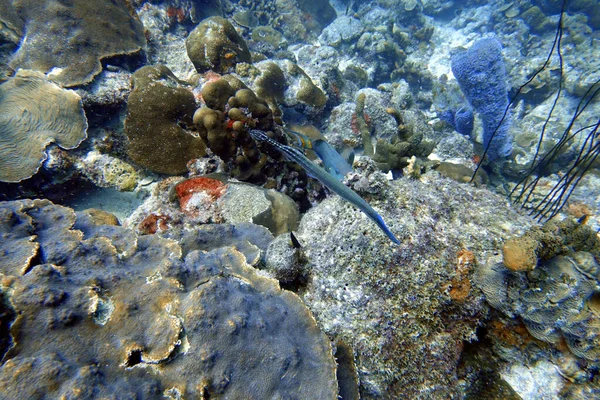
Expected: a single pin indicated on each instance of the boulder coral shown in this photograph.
(58, 33)
(215, 45)
(159, 122)
(35, 112)
(100, 312)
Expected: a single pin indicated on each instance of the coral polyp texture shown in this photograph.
(551, 280)
(35, 112)
(159, 122)
(128, 317)
(67, 40)
(215, 45)
(231, 110)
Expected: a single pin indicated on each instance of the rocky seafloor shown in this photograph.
(152, 247)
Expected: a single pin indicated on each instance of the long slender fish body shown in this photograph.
(326, 179)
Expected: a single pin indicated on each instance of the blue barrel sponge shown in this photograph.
(461, 120)
(481, 74)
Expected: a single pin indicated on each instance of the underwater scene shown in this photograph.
(299, 199)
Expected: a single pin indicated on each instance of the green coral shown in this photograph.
(308, 93)
(159, 115)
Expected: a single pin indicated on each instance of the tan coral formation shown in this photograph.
(159, 122)
(67, 40)
(215, 45)
(35, 112)
(231, 110)
(103, 313)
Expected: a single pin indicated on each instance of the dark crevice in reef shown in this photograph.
(7, 317)
(134, 358)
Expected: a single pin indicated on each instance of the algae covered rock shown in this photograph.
(102, 312)
(215, 45)
(398, 307)
(35, 112)
(159, 119)
(67, 40)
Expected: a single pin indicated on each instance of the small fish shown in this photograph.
(333, 162)
(326, 179)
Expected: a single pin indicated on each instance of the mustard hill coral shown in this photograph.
(58, 33)
(159, 118)
(34, 113)
(215, 45)
(103, 313)
(231, 109)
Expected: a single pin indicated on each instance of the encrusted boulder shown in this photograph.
(404, 309)
(178, 203)
(100, 312)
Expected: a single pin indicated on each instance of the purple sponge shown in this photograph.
(481, 74)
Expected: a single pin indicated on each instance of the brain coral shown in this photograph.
(215, 45)
(159, 111)
(67, 39)
(102, 313)
(34, 113)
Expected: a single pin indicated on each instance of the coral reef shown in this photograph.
(404, 310)
(215, 45)
(409, 142)
(550, 279)
(101, 312)
(34, 113)
(159, 120)
(57, 33)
